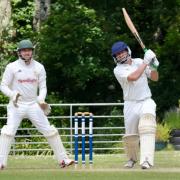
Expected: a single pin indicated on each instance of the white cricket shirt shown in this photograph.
(27, 80)
(133, 90)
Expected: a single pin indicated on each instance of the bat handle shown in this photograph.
(145, 49)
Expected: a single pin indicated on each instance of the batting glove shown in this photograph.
(154, 64)
(149, 56)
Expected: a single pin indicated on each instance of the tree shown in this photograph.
(42, 11)
(159, 28)
(75, 39)
(5, 15)
(20, 26)
(72, 49)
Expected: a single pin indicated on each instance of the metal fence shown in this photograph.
(106, 137)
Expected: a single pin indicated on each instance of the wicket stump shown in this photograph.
(83, 116)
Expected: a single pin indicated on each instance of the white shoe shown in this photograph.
(66, 162)
(145, 165)
(130, 164)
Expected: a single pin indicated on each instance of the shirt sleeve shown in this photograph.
(6, 82)
(121, 75)
(42, 86)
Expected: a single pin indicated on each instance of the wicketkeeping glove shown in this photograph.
(149, 56)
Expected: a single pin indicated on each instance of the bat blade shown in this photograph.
(133, 29)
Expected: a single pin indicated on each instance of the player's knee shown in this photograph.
(9, 130)
(129, 138)
(131, 145)
(147, 124)
(52, 131)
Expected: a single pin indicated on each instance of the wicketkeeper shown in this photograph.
(24, 82)
(139, 108)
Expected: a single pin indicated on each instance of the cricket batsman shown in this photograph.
(139, 108)
(24, 82)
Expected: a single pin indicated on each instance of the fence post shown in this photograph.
(71, 129)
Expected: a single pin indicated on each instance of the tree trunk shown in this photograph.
(5, 14)
(42, 10)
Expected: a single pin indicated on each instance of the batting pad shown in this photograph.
(5, 145)
(131, 144)
(147, 130)
(56, 144)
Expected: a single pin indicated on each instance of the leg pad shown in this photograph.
(147, 130)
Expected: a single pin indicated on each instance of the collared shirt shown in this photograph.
(27, 80)
(133, 90)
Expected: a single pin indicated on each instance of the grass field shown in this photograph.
(105, 167)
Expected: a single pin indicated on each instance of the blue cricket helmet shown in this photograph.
(118, 47)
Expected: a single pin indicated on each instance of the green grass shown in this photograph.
(105, 167)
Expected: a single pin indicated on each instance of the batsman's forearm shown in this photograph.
(154, 75)
(136, 74)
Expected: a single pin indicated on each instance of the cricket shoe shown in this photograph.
(66, 162)
(1, 167)
(145, 165)
(130, 164)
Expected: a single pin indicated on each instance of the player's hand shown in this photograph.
(45, 107)
(149, 56)
(154, 64)
(15, 99)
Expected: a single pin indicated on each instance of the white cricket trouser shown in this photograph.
(133, 110)
(36, 115)
(32, 112)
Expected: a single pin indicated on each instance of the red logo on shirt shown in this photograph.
(27, 80)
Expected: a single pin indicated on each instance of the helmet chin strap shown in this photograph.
(25, 60)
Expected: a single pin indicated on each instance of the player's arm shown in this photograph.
(151, 70)
(5, 83)
(42, 86)
(43, 92)
(136, 74)
(154, 76)
(149, 56)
